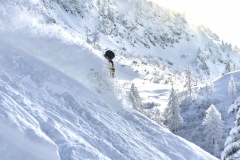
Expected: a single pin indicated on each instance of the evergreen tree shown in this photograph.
(157, 117)
(232, 144)
(190, 82)
(111, 14)
(228, 67)
(209, 90)
(135, 98)
(96, 38)
(172, 112)
(87, 30)
(232, 88)
(214, 128)
(102, 9)
(99, 3)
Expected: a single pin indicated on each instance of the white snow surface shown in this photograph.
(49, 105)
(46, 114)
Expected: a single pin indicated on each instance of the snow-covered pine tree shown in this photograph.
(111, 14)
(95, 39)
(102, 9)
(209, 90)
(227, 67)
(214, 129)
(99, 4)
(135, 98)
(190, 80)
(87, 30)
(173, 119)
(157, 117)
(232, 144)
(232, 88)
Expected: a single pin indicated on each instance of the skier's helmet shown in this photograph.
(109, 54)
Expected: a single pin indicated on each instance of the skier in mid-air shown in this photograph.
(109, 55)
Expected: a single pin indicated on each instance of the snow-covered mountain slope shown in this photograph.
(154, 41)
(152, 44)
(48, 115)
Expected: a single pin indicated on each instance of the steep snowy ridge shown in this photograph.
(47, 115)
